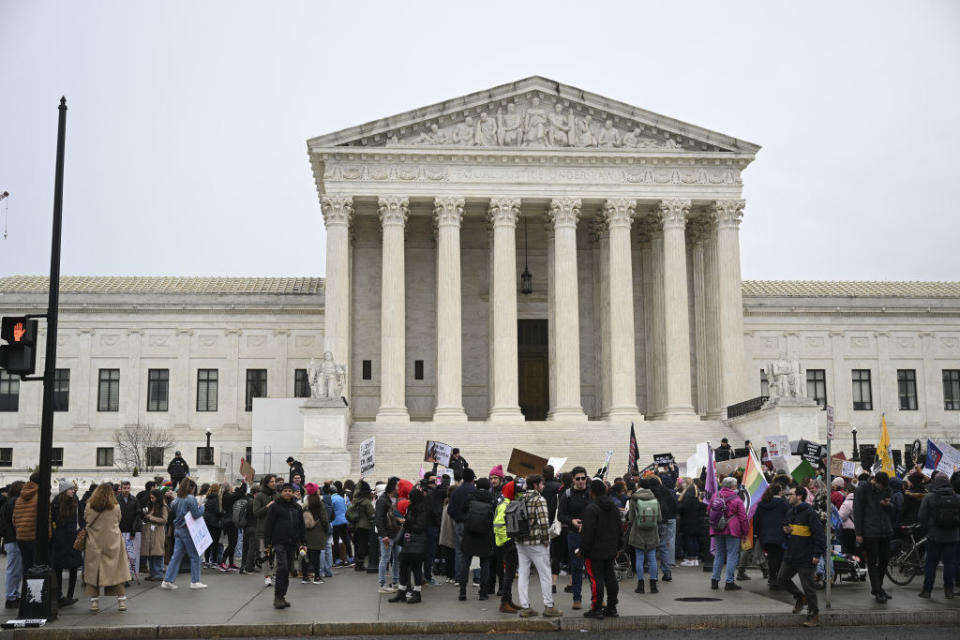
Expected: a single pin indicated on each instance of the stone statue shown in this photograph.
(327, 378)
(560, 127)
(584, 135)
(633, 138)
(670, 143)
(463, 133)
(486, 135)
(509, 131)
(434, 136)
(534, 125)
(609, 137)
(785, 378)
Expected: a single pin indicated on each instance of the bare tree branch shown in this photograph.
(133, 442)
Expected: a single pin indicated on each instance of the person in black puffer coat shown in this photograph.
(478, 538)
(284, 531)
(65, 522)
(690, 524)
(213, 517)
(768, 527)
(600, 539)
(413, 547)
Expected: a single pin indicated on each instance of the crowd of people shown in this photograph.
(486, 532)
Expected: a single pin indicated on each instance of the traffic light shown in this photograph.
(19, 355)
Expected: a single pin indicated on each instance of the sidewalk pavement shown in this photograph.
(348, 604)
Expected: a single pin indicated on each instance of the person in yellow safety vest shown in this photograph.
(506, 549)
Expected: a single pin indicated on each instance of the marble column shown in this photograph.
(675, 311)
(503, 215)
(551, 318)
(448, 213)
(564, 213)
(727, 214)
(601, 305)
(619, 215)
(716, 410)
(695, 241)
(647, 229)
(393, 218)
(337, 215)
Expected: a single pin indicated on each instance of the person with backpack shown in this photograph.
(728, 524)
(644, 517)
(667, 497)
(284, 533)
(599, 542)
(805, 544)
(316, 523)
(570, 513)
(360, 517)
(531, 520)
(264, 500)
(558, 546)
(940, 511)
(506, 547)
(871, 520)
(478, 538)
(229, 526)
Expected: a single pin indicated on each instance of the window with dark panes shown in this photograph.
(301, 384)
(248, 454)
(817, 385)
(256, 386)
(208, 381)
(9, 392)
(907, 389)
(951, 389)
(61, 390)
(108, 391)
(56, 457)
(6, 456)
(368, 369)
(104, 456)
(862, 393)
(158, 389)
(204, 455)
(154, 456)
(418, 369)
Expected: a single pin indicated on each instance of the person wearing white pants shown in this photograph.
(539, 556)
(534, 547)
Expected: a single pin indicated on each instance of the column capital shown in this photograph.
(673, 213)
(393, 210)
(503, 212)
(448, 212)
(619, 212)
(564, 212)
(727, 213)
(336, 209)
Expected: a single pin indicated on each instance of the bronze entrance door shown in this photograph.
(534, 375)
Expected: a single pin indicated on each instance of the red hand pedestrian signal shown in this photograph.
(18, 332)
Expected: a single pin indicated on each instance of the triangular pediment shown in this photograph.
(535, 113)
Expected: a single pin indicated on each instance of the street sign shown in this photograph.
(19, 355)
(830, 422)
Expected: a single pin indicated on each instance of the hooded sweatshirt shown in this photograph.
(940, 489)
(806, 539)
(768, 520)
(601, 534)
(25, 513)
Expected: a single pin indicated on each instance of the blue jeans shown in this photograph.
(458, 558)
(326, 559)
(650, 555)
(937, 551)
(728, 552)
(387, 555)
(576, 564)
(666, 550)
(14, 570)
(183, 544)
(433, 538)
(156, 566)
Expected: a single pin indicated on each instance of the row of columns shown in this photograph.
(671, 323)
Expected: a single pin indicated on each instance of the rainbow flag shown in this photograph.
(754, 484)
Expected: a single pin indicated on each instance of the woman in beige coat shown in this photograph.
(154, 534)
(105, 562)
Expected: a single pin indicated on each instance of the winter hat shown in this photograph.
(362, 489)
(403, 488)
(311, 488)
(402, 506)
(64, 485)
(508, 491)
(289, 459)
(838, 482)
(496, 471)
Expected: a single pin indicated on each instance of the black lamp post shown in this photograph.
(856, 449)
(209, 452)
(526, 279)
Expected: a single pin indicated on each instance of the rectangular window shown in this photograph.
(9, 392)
(154, 456)
(907, 389)
(6, 456)
(862, 394)
(56, 457)
(764, 384)
(301, 384)
(951, 389)
(108, 392)
(256, 386)
(368, 369)
(158, 389)
(418, 369)
(248, 454)
(104, 456)
(204, 455)
(61, 390)
(817, 385)
(207, 382)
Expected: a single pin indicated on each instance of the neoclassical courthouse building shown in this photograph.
(531, 266)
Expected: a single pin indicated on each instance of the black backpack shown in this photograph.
(479, 517)
(946, 512)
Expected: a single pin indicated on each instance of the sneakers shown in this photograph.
(799, 604)
(433, 582)
(267, 581)
(121, 604)
(197, 585)
(168, 585)
(507, 607)
(552, 612)
(528, 613)
(386, 588)
(813, 620)
(399, 596)
(450, 581)
(732, 586)
(414, 598)
(317, 580)
(94, 604)
(596, 614)
(306, 580)
(667, 577)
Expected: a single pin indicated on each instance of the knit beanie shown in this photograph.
(311, 488)
(64, 485)
(496, 471)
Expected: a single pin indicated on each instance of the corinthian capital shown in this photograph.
(336, 209)
(727, 213)
(673, 213)
(393, 210)
(619, 212)
(448, 212)
(503, 212)
(564, 212)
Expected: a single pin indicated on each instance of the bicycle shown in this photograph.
(907, 559)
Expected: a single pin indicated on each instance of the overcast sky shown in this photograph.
(186, 150)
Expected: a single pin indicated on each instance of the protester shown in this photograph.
(940, 513)
(341, 537)
(261, 503)
(65, 522)
(570, 513)
(388, 530)
(806, 542)
(25, 520)
(412, 549)
(155, 516)
(14, 571)
(457, 510)
(768, 519)
(184, 504)
(242, 514)
(458, 464)
(229, 528)
(666, 551)
(600, 540)
(284, 533)
(364, 514)
(105, 563)
(435, 499)
(316, 523)
(837, 493)
(178, 469)
(295, 469)
(728, 524)
(533, 547)
(873, 529)
(644, 517)
(690, 524)
(478, 538)
(506, 548)
(213, 518)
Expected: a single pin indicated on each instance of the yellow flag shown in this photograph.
(883, 449)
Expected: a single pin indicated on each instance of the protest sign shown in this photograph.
(803, 470)
(247, 471)
(812, 452)
(556, 463)
(663, 459)
(367, 455)
(438, 452)
(523, 463)
(836, 467)
(444, 471)
(727, 467)
(778, 446)
(942, 457)
(198, 533)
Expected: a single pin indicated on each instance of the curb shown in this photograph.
(833, 618)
